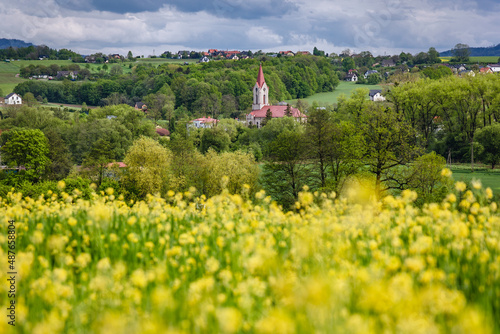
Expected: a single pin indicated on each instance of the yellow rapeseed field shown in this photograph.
(235, 264)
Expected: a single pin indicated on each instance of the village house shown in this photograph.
(469, 73)
(388, 62)
(351, 77)
(203, 122)
(260, 106)
(485, 70)
(376, 95)
(13, 99)
(495, 67)
(367, 73)
(67, 74)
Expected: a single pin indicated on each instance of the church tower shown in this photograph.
(260, 92)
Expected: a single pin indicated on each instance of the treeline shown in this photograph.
(51, 70)
(215, 88)
(450, 112)
(37, 52)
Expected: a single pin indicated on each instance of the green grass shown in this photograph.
(8, 78)
(489, 178)
(487, 59)
(344, 87)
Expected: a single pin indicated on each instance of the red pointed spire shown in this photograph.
(260, 77)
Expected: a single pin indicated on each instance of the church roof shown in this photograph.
(260, 77)
(277, 112)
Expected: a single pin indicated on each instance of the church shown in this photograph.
(261, 105)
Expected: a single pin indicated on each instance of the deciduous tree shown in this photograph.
(147, 167)
(27, 148)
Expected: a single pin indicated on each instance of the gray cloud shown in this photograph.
(243, 9)
(380, 26)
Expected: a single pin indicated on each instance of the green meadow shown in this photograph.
(484, 60)
(488, 177)
(344, 88)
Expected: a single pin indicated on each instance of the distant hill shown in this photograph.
(477, 52)
(15, 43)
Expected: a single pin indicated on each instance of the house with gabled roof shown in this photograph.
(494, 67)
(351, 77)
(203, 122)
(13, 99)
(261, 106)
(367, 73)
(389, 62)
(376, 95)
(485, 70)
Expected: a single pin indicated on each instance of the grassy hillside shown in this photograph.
(344, 87)
(488, 59)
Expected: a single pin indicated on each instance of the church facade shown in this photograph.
(260, 105)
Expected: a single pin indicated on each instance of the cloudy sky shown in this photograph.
(149, 27)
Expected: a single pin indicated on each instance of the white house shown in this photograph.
(351, 77)
(203, 122)
(376, 95)
(495, 67)
(13, 98)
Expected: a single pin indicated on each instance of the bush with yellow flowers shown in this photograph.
(235, 264)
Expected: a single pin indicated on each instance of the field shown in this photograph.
(488, 59)
(8, 78)
(489, 178)
(239, 264)
(329, 98)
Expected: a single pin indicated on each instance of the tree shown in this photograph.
(29, 99)
(346, 148)
(461, 53)
(28, 148)
(318, 132)
(489, 138)
(130, 56)
(59, 155)
(116, 70)
(433, 56)
(374, 79)
(269, 117)
(285, 174)
(215, 138)
(424, 175)
(98, 158)
(388, 144)
(148, 166)
(317, 52)
(348, 64)
(288, 111)
(302, 105)
(228, 170)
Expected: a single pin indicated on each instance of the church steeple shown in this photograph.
(260, 92)
(260, 77)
